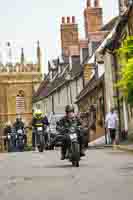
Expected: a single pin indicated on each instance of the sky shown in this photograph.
(23, 22)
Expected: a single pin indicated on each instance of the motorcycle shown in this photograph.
(20, 139)
(73, 149)
(41, 143)
(10, 142)
(50, 137)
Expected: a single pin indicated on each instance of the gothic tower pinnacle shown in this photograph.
(22, 56)
(38, 56)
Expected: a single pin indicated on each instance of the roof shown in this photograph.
(60, 81)
(111, 42)
(93, 83)
(47, 87)
(109, 26)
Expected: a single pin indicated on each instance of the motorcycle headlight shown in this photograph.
(72, 130)
(20, 131)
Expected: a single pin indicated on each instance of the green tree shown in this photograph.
(126, 60)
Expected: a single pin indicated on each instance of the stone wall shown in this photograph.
(10, 85)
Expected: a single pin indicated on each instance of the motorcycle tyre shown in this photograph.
(76, 149)
(9, 146)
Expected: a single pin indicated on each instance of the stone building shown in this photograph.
(108, 54)
(17, 85)
(66, 75)
(92, 98)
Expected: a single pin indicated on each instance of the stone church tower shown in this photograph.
(17, 85)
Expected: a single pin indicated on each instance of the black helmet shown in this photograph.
(69, 108)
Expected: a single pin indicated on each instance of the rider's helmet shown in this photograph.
(69, 108)
(18, 119)
(38, 114)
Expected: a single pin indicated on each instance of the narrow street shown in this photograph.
(103, 174)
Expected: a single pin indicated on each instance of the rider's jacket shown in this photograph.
(40, 121)
(18, 125)
(7, 130)
(66, 122)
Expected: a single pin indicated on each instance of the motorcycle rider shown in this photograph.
(7, 129)
(19, 124)
(38, 119)
(65, 123)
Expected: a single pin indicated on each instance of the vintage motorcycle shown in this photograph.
(10, 142)
(73, 146)
(20, 139)
(40, 137)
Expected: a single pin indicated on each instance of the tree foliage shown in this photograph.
(126, 60)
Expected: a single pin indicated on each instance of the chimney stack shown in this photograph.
(69, 34)
(93, 17)
(88, 3)
(68, 20)
(63, 20)
(73, 19)
(96, 3)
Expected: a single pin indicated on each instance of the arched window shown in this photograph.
(20, 102)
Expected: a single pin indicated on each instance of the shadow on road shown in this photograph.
(64, 166)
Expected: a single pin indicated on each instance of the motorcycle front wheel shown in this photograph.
(75, 154)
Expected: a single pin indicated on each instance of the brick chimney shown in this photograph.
(88, 3)
(96, 3)
(73, 19)
(93, 17)
(69, 34)
(63, 20)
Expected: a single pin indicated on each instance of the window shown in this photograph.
(20, 102)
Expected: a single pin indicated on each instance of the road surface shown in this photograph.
(102, 175)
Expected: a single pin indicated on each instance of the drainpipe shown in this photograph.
(52, 104)
(71, 101)
(106, 142)
(117, 91)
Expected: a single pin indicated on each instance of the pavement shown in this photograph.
(127, 147)
(103, 174)
(100, 143)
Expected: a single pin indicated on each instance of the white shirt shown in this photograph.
(111, 120)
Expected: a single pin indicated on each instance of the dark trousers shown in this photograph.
(33, 138)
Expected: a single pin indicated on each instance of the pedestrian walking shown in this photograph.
(111, 124)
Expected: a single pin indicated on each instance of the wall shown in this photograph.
(108, 82)
(10, 84)
(85, 103)
(63, 96)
